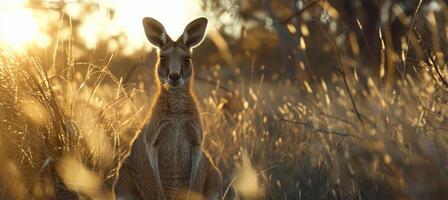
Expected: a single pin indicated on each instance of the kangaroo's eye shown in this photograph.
(187, 59)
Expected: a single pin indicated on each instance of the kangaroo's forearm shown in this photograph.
(193, 129)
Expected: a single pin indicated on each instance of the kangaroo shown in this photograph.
(166, 160)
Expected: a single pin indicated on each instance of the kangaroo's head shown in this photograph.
(174, 67)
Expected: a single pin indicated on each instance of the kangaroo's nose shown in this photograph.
(174, 76)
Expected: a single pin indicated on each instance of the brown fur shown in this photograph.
(174, 132)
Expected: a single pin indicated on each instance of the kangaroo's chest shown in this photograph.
(174, 152)
(174, 143)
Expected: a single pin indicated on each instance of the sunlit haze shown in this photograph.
(174, 14)
(22, 26)
(18, 26)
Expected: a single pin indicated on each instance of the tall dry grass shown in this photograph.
(62, 134)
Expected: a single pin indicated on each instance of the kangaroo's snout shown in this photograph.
(174, 76)
(174, 79)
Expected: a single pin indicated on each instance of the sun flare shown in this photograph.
(17, 24)
(127, 19)
(172, 13)
(21, 25)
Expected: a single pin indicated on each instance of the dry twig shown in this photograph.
(313, 128)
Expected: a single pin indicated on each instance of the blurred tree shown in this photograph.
(357, 23)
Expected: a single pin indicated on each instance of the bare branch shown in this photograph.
(431, 61)
(300, 12)
(341, 71)
(313, 128)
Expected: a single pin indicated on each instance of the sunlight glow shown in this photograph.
(172, 14)
(17, 24)
(105, 19)
(127, 18)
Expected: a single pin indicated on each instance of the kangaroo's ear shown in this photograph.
(155, 32)
(194, 32)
